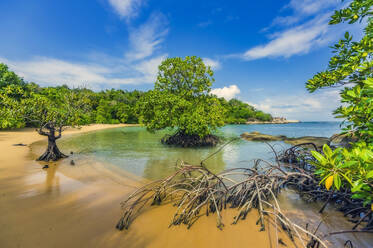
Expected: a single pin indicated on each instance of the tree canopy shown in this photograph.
(181, 99)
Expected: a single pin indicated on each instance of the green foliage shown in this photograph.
(24, 104)
(343, 168)
(238, 112)
(118, 106)
(61, 106)
(8, 77)
(11, 111)
(181, 99)
(260, 115)
(351, 67)
(111, 112)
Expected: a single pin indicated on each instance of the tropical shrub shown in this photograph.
(351, 67)
(351, 169)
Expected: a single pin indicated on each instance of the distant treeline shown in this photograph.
(107, 106)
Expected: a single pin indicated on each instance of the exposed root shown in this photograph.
(299, 156)
(52, 154)
(186, 140)
(195, 191)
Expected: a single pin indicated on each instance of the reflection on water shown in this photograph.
(52, 182)
(141, 153)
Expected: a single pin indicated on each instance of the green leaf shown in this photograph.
(370, 174)
(346, 35)
(318, 156)
(327, 151)
(357, 186)
(337, 181)
(348, 164)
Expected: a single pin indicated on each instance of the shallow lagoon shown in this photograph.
(139, 152)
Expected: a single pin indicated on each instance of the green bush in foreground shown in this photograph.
(343, 168)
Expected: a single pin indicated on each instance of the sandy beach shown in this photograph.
(79, 206)
(44, 208)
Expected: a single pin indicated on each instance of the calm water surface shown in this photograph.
(141, 153)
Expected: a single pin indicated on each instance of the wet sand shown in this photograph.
(78, 206)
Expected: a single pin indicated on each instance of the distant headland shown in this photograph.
(275, 120)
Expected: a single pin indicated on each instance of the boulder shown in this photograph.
(257, 136)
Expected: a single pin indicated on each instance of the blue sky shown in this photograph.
(262, 52)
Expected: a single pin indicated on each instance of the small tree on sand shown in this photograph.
(181, 100)
(53, 111)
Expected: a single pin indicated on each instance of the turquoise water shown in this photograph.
(139, 152)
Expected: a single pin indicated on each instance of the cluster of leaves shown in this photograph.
(347, 169)
(116, 106)
(181, 99)
(28, 105)
(351, 67)
(238, 112)
(59, 105)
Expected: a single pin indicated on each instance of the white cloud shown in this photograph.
(309, 7)
(303, 106)
(293, 41)
(126, 8)
(149, 68)
(214, 64)
(50, 71)
(226, 92)
(302, 9)
(146, 39)
(138, 66)
(298, 33)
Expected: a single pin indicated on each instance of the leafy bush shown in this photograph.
(351, 67)
(343, 168)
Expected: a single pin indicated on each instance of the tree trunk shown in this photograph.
(52, 152)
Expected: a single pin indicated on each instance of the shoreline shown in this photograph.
(54, 207)
(272, 122)
(79, 206)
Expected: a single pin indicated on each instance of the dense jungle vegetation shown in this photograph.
(108, 106)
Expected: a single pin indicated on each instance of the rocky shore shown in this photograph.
(336, 140)
(256, 136)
